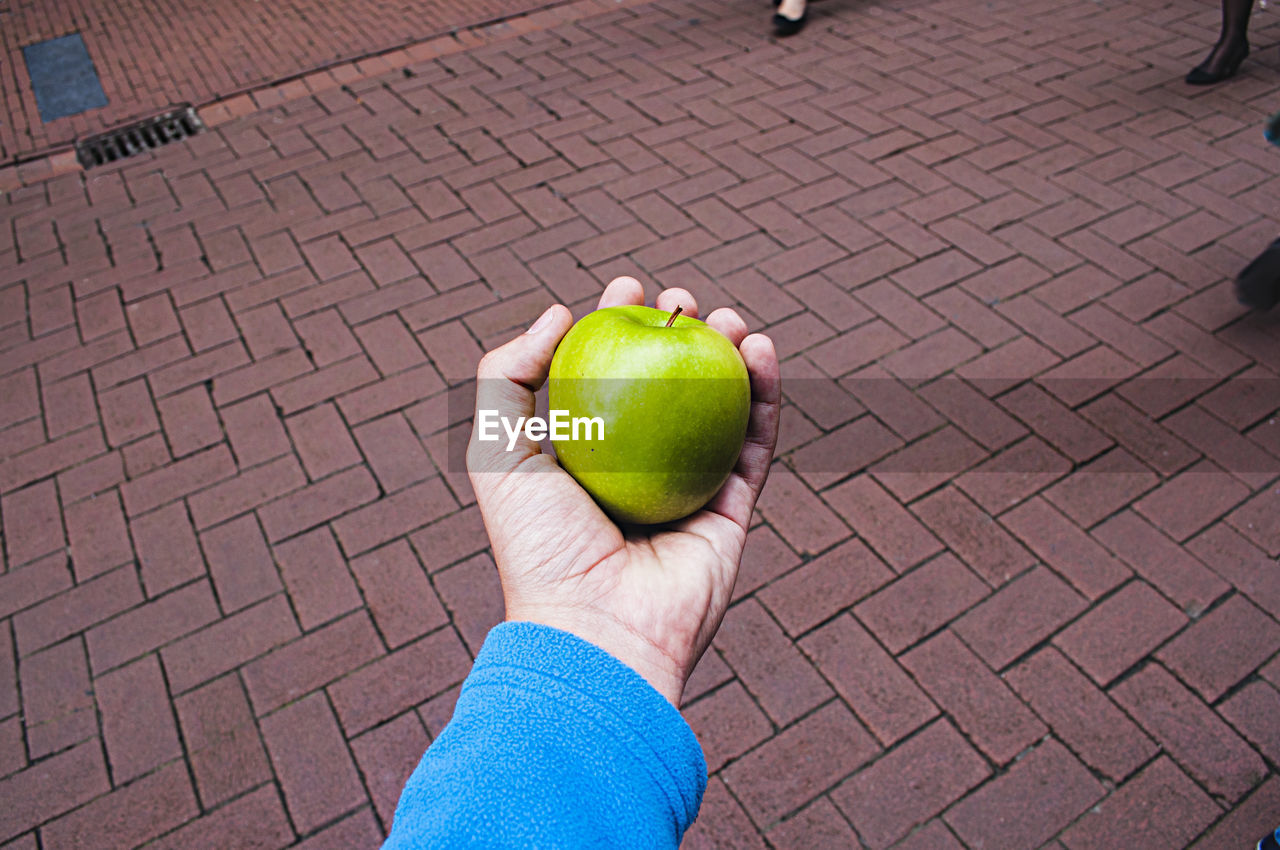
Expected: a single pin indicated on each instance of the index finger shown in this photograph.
(621, 291)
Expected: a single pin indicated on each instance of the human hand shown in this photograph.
(652, 597)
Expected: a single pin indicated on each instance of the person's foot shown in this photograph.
(1221, 63)
(790, 17)
(1258, 286)
(1270, 842)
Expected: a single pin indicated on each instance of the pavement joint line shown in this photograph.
(62, 160)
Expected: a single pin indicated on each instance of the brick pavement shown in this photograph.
(1013, 580)
(151, 56)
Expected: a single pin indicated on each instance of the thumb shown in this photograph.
(507, 378)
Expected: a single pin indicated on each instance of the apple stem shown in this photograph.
(672, 320)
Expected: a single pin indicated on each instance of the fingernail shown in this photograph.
(542, 322)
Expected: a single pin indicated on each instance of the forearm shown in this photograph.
(553, 743)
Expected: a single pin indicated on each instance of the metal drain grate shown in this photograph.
(136, 138)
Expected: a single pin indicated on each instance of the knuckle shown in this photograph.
(488, 366)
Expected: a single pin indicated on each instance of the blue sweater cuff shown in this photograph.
(554, 742)
(603, 690)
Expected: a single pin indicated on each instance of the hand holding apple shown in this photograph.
(654, 597)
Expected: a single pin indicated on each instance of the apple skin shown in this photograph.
(674, 400)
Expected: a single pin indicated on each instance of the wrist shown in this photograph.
(663, 673)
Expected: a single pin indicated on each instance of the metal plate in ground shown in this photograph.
(63, 77)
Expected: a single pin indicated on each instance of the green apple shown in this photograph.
(674, 398)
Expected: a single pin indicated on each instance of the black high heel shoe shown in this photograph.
(1202, 76)
(784, 26)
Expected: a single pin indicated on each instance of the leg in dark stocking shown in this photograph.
(1232, 47)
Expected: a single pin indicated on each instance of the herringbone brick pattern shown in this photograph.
(152, 56)
(1014, 578)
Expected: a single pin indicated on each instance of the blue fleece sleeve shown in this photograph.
(554, 743)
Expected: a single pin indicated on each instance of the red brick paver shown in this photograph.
(1013, 582)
